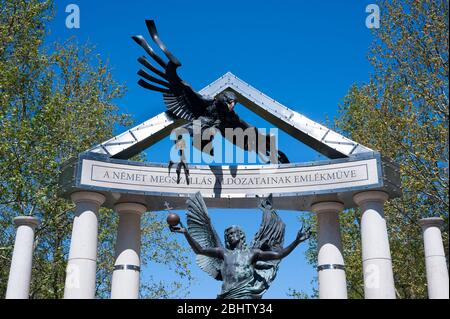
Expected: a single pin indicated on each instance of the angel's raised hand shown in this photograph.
(177, 229)
(303, 235)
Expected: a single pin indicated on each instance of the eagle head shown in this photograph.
(227, 99)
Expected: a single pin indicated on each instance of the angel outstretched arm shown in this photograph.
(216, 252)
(280, 254)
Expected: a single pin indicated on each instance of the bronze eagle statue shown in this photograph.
(183, 102)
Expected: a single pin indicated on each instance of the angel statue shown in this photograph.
(246, 272)
(183, 102)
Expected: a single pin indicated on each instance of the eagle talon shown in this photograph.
(182, 165)
(178, 173)
(186, 173)
(170, 165)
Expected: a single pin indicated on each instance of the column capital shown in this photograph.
(134, 208)
(91, 197)
(370, 196)
(431, 222)
(322, 207)
(31, 221)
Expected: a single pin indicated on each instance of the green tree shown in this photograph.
(403, 113)
(55, 102)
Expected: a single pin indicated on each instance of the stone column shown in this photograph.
(376, 255)
(436, 265)
(82, 263)
(127, 267)
(332, 281)
(20, 271)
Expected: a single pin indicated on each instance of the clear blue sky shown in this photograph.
(304, 54)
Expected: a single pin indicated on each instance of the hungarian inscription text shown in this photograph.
(231, 180)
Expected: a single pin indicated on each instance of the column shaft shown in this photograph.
(435, 262)
(332, 280)
(376, 255)
(21, 263)
(125, 279)
(82, 263)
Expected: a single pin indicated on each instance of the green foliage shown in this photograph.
(403, 113)
(55, 102)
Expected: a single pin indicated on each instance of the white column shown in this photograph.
(22, 258)
(376, 255)
(127, 267)
(436, 265)
(330, 264)
(82, 263)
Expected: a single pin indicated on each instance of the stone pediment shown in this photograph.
(318, 137)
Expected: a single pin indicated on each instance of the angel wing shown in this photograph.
(181, 99)
(270, 236)
(201, 229)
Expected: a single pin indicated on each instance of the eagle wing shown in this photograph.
(201, 229)
(180, 98)
(234, 121)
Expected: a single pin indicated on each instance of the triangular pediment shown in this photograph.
(320, 138)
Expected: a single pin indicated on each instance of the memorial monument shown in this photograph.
(352, 176)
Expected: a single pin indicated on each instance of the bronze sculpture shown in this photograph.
(246, 272)
(183, 102)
